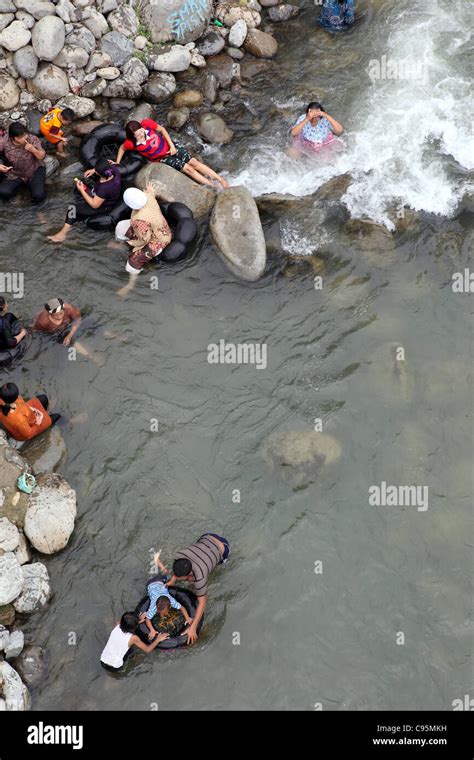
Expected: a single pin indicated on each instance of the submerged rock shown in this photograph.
(177, 118)
(36, 588)
(370, 236)
(7, 614)
(51, 513)
(237, 231)
(214, 129)
(299, 455)
(46, 452)
(175, 186)
(30, 665)
(260, 44)
(15, 693)
(283, 12)
(188, 99)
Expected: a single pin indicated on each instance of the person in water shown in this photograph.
(122, 639)
(23, 155)
(103, 196)
(59, 317)
(337, 15)
(154, 143)
(11, 331)
(51, 127)
(158, 594)
(194, 564)
(314, 130)
(22, 419)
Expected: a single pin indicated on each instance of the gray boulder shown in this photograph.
(15, 693)
(36, 589)
(51, 513)
(83, 38)
(143, 111)
(109, 73)
(239, 236)
(48, 37)
(211, 44)
(30, 665)
(94, 89)
(98, 60)
(51, 164)
(7, 6)
(177, 118)
(105, 6)
(214, 129)
(6, 19)
(37, 8)
(210, 87)
(96, 23)
(9, 536)
(223, 68)
(15, 36)
(168, 19)
(4, 637)
(120, 88)
(135, 72)
(283, 12)
(50, 82)
(159, 87)
(66, 11)
(82, 107)
(26, 19)
(172, 58)
(72, 55)
(9, 93)
(124, 20)
(11, 578)
(22, 551)
(119, 47)
(15, 645)
(121, 104)
(175, 186)
(25, 61)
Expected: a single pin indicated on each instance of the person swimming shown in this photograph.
(337, 15)
(313, 130)
(122, 640)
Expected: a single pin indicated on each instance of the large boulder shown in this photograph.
(66, 11)
(124, 20)
(7, 614)
(11, 578)
(211, 44)
(50, 517)
(171, 58)
(15, 692)
(25, 61)
(119, 47)
(9, 536)
(175, 186)
(72, 55)
(15, 645)
(237, 232)
(260, 44)
(176, 20)
(36, 588)
(224, 69)
(299, 455)
(48, 37)
(159, 87)
(15, 36)
(135, 72)
(30, 665)
(213, 129)
(96, 23)
(283, 12)
(188, 99)
(37, 8)
(142, 111)
(82, 107)
(177, 117)
(50, 82)
(120, 88)
(231, 12)
(82, 37)
(9, 93)
(46, 452)
(6, 19)
(7, 6)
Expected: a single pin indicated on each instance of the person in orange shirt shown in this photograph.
(50, 126)
(22, 419)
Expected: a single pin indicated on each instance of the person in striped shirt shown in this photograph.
(194, 564)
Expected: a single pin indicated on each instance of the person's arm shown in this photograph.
(36, 150)
(300, 125)
(171, 581)
(17, 332)
(137, 642)
(191, 633)
(149, 625)
(75, 324)
(4, 169)
(168, 139)
(92, 200)
(120, 154)
(20, 335)
(337, 128)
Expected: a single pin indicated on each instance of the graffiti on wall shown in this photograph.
(187, 17)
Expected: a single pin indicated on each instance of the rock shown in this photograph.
(109, 73)
(223, 68)
(239, 237)
(235, 53)
(37, 8)
(36, 588)
(238, 33)
(197, 60)
(3, 705)
(140, 42)
(93, 89)
(283, 12)
(7, 614)
(72, 55)
(211, 44)
(210, 87)
(11, 578)
(9, 536)
(15, 645)
(46, 452)
(124, 20)
(9, 92)
(119, 47)
(159, 87)
(4, 637)
(15, 36)
(168, 19)
(98, 60)
(120, 88)
(6, 19)
(30, 665)
(44, 105)
(369, 235)
(50, 517)
(26, 19)
(250, 70)
(229, 13)
(25, 61)
(83, 38)
(143, 111)
(171, 58)
(178, 117)
(175, 186)
(81, 129)
(335, 188)
(269, 3)
(97, 23)
(51, 164)
(300, 455)
(105, 6)
(26, 99)
(66, 11)
(22, 552)
(33, 119)
(188, 99)
(15, 692)
(48, 37)
(260, 44)
(7, 6)
(50, 82)
(121, 104)
(82, 107)
(214, 129)
(135, 72)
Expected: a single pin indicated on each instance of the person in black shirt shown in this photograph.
(11, 332)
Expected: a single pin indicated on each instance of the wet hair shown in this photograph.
(67, 114)
(16, 129)
(163, 604)
(130, 128)
(9, 394)
(129, 622)
(182, 567)
(103, 168)
(314, 106)
(3, 303)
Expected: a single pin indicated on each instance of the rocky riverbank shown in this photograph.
(31, 526)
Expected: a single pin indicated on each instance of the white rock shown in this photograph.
(96, 23)
(140, 42)
(50, 516)
(172, 59)
(26, 99)
(66, 11)
(7, 6)
(9, 535)
(26, 19)
(44, 105)
(105, 6)
(4, 637)
(15, 645)
(197, 60)
(124, 20)
(238, 33)
(98, 60)
(36, 588)
(38, 8)
(6, 19)
(82, 38)
(50, 82)
(15, 36)
(48, 37)
(72, 55)
(22, 552)
(15, 693)
(110, 72)
(11, 578)
(26, 62)
(9, 92)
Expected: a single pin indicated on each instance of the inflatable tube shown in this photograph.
(10, 354)
(104, 142)
(108, 220)
(184, 228)
(188, 600)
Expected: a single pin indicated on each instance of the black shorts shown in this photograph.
(179, 160)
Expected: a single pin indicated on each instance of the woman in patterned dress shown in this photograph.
(313, 131)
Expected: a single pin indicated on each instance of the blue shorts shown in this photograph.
(223, 541)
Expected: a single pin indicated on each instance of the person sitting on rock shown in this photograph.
(50, 126)
(123, 638)
(103, 196)
(11, 331)
(23, 155)
(337, 15)
(22, 419)
(154, 143)
(313, 130)
(57, 317)
(159, 595)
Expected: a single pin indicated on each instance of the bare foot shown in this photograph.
(115, 244)
(58, 238)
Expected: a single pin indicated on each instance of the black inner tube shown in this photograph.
(188, 600)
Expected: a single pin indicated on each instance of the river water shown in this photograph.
(330, 638)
